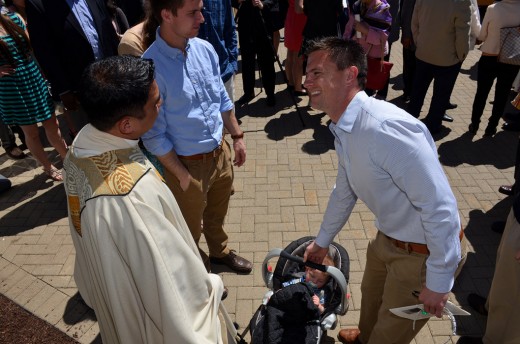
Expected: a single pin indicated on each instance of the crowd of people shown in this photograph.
(150, 169)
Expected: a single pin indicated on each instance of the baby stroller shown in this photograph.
(287, 314)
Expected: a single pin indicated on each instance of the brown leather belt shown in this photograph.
(213, 154)
(413, 247)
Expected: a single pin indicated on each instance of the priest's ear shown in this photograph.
(127, 126)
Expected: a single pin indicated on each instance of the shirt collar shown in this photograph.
(349, 116)
(167, 49)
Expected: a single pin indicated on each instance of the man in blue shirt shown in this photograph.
(187, 137)
(219, 29)
(387, 159)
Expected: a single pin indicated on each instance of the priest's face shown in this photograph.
(151, 109)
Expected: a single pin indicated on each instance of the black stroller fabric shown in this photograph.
(289, 318)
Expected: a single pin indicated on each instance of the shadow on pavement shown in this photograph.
(477, 273)
(46, 208)
(471, 72)
(498, 151)
(290, 124)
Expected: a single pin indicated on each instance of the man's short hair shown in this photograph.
(156, 6)
(115, 87)
(343, 53)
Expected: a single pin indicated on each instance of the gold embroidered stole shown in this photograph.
(113, 173)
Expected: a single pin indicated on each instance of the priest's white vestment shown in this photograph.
(136, 264)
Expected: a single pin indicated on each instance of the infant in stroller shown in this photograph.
(289, 314)
(317, 280)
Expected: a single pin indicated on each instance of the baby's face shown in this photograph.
(317, 277)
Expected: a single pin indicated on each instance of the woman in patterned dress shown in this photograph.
(24, 95)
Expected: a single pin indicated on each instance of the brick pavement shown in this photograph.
(281, 195)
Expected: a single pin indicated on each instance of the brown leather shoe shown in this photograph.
(349, 336)
(234, 262)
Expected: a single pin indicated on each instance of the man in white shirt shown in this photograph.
(387, 159)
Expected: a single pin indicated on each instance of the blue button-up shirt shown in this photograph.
(86, 21)
(219, 30)
(389, 160)
(194, 96)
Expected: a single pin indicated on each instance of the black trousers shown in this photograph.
(490, 69)
(444, 78)
(408, 70)
(257, 46)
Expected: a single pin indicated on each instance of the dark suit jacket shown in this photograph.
(59, 43)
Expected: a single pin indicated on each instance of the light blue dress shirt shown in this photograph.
(86, 21)
(194, 96)
(388, 159)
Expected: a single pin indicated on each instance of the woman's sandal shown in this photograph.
(15, 153)
(54, 174)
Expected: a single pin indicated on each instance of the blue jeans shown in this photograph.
(444, 80)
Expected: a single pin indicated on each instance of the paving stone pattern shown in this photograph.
(280, 195)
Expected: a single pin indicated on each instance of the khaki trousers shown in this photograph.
(503, 323)
(391, 275)
(206, 200)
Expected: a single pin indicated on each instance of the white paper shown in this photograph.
(417, 312)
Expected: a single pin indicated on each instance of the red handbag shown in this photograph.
(378, 73)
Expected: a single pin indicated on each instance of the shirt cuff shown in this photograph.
(323, 239)
(439, 282)
(158, 148)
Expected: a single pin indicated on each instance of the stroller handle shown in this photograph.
(331, 270)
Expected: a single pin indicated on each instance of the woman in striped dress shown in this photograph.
(24, 95)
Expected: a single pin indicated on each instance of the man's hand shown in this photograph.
(258, 3)
(240, 152)
(315, 253)
(171, 162)
(70, 101)
(433, 302)
(517, 256)
(185, 181)
(407, 43)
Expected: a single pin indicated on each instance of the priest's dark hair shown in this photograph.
(115, 87)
